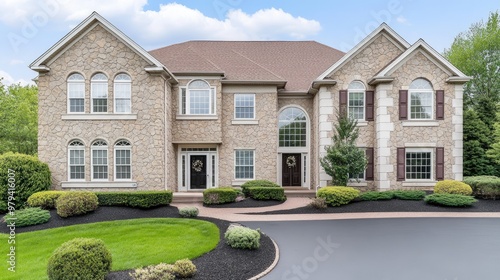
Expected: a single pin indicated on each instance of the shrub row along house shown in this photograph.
(202, 114)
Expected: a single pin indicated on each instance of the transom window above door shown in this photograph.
(198, 98)
(292, 128)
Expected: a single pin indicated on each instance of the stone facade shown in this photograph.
(162, 138)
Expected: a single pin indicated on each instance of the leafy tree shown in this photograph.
(18, 119)
(343, 157)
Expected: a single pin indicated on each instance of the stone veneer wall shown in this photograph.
(306, 103)
(380, 52)
(419, 66)
(262, 136)
(100, 51)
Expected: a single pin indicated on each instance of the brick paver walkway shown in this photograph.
(238, 214)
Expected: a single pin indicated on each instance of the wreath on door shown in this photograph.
(197, 165)
(291, 161)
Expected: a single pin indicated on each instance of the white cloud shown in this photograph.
(172, 22)
(8, 80)
(16, 62)
(402, 20)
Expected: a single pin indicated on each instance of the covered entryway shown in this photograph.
(291, 170)
(197, 168)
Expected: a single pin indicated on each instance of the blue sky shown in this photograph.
(29, 27)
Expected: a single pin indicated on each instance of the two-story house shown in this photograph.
(203, 114)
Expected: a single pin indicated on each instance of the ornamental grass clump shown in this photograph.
(337, 196)
(239, 237)
(318, 203)
(160, 271)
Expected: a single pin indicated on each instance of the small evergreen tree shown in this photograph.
(343, 157)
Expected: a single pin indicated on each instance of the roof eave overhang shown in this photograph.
(319, 83)
(199, 73)
(40, 69)
(458, 80)
(279, 84)
(380, 80)
(159, 70)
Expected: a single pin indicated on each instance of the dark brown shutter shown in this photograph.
(343, 102)
(401, 164)
(369, 165)
(369, 105)
(439, 104)
(403, 104)
(440, 163)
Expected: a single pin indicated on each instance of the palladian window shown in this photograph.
(292, 128)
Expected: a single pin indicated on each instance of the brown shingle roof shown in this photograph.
(296, 62)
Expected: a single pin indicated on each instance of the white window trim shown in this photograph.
(234, 166)
(121, 148)
(301, 149)
(98, 184)
(92, 93)
(433, 95)
(433, 163)
(76, 148)
(349, 91)
(98, 116)
(92, 148)
(234, 106)
(68, 98)
(114, 94)
(213, 98)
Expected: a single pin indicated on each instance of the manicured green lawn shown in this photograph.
(133, 243)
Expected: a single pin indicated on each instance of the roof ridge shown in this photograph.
(254, 62)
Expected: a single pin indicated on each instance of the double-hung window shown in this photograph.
(244, 106)
(421, 98)
(76, 93)
(198, 98)
(123, 165)
(356, 99)
(99, 93)
(76, 155)
(99, 160)
(122, 93)
(244, 164)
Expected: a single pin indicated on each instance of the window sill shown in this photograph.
(102, 184)
(362, 123)
(357, 184)
(239, 182)
(420, 123)
(245, 122)
(419, 183)
(111, 116)
(197, 117)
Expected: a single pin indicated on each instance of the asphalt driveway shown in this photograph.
(386, 249)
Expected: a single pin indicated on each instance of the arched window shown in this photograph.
(123, 163)
(292, 128)
(122, 93)
(356, 97)
(421, 97)
(198, 98)
(76, 160)
(76, 93)
(99, 160)
(99, 93)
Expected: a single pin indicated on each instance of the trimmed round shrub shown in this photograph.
(29, 216)
(139, 199)
(374, 195)
(76, 203)
(28, 174)
(184, 268)
(409, 194)
(240, 237)
(487, 187)
(3, 207)
(219, 195)
(267, 193)
(452, 200)
(257, 183)
(452, 187)
(44, 200)
(80, 258)
(188, 212)
(336, 196)
(160, 271)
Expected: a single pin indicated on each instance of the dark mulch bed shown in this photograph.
(222, 263)
(246, 203)
(393, 205)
